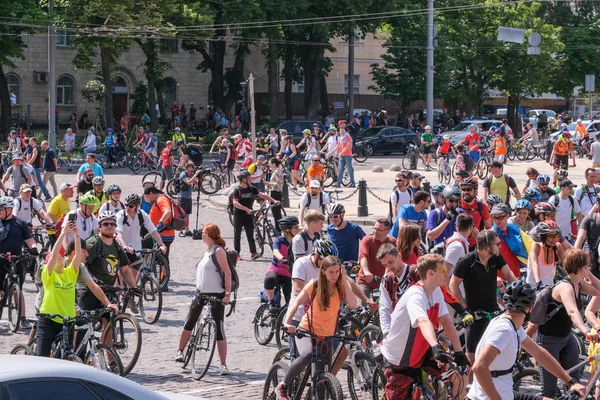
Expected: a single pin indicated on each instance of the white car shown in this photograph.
(532, 116)
(593, 127)
(29, 377)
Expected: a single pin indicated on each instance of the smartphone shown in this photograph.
(72, 217)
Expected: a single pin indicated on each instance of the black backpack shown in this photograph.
(143, 229)
(320, 201)
(232, 257)
(539, 313)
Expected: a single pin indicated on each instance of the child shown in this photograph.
(463, 161)
(499, 147)
(443, 150)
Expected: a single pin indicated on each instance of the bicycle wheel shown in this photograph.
(150, 300)
(13, 303)
(329, 177)
(361, 382)
(281, 335)
(153, 177)
(361, 155)
(346, 179)
(136, 164)
(259, 240)
(527, 381)
(210, 183)
(162, 270)
(328, 384)
(406, 162)
(22, 350)
(121, 159)
(275, 376)
(106, 359)
(482, 168)
(368, 335)
(281, 355)
(378, 383)
(522, 153)
(204, 348)
(127, 341)
(172, 188)
(511, 153)
(264, 324)
(102, 160)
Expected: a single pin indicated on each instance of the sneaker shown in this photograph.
(282, 391)
(165, 289)
(223, 370)
(352, 186)
(254, 256)
(239, 258)
(25, 323)
(133, 306)
(179, 356)
(189, 234)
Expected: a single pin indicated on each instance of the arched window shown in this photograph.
(65, 91)
(170, 91)
(14, 88)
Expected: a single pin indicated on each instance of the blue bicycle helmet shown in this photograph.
(324, 248)
(543, 178)
(532, 195)
(437, 189)
(523, 204)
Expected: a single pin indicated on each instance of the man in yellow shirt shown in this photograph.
(59, 206)
(316, 171)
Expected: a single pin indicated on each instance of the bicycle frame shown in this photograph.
(594, 375)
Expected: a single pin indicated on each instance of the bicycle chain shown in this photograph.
(377, 197)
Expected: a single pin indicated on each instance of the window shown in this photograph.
(170, 91)
(300, 88)
(356, 84)
(39, 389)
(106, 393)
(63, 38)
(65, 91)
(168, 45)
(14, 87)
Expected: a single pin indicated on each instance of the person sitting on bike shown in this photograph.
(546, 192)
(394, 283)
(501, 344)
(344, 234)
(58, 279)
(310, 143)
(279, 272)
(584, 136)
(14, 233)
(544, 256)
(411, 344)
(316, 171)
(151, 148)
(20, 175)
(289, 154)
(532, 182)
(554, 327)
(178, 135)
(89, 146)
(110, 143)
(561, 150)
(531, 137)
(324, 296)
(212, 279)
(521, 218)
(443, 150)
(473, 141)
(114, 202)
(98, 192)
(219, 140)
(87, 223)
(546, 212)
(90, 163)
(26, 207)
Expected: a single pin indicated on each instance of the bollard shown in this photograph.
(363, 209)
(285, 193)
(548, 149)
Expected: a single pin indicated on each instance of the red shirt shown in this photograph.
(412, 257)
(471, 138)
(165, 157)
(368, 248)
(473, 211)
(445, 147)
(513, 262)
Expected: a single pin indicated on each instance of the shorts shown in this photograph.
(500, 157)
(400, 380)
(134, 261)
(475, 155)
(177, 119)
(186, 204)
(427, 149)
(217, 312)
(561, 162)
(87, 301)
(294, 165)
(166, 173)
(595, 164)
(475, 332)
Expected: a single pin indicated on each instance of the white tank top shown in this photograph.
(546, 270)
(208, 279)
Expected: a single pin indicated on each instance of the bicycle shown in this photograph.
(61, 156)
(11, 290)
(528, 151)
(265, 319)
(203, 340)
(444, 170)
(362, 153)
(413, 155)
(142, 160)
(264, 230)
(151, 294)
(482, 167)
(208, 182)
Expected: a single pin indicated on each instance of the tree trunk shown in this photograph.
(152, 104)
(312, 111)
(235, 76)
(308, 68)
(5, 107)
(273, 74)
(288, 70)
(511, 110)
(324, 97)
(108, 101)
(218, 62)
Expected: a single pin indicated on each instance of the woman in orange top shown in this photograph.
(322, 301)
(499, 147)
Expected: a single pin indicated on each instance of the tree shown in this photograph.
(11, 46)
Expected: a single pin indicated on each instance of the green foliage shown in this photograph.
(94, 91)
(18, 11)
(140, 101)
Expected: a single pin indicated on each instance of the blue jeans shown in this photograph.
(88, 150)
(346, 162)
(474, 155)
(38, 174)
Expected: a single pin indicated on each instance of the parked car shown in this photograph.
(29, 377)
(461, 130)
(532, 116)
(385, 139)
(593, 127)
(295, 127)
(498, 110)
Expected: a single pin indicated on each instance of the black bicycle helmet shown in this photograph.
(113, 188)
(451, 191)
(324, 248)
(336, 208)
(180, 142)
(437, 189)
(133, 200)
(288, 222)
(464, 174)
(244, 174)
(470, 182)
(519, 296)
(493, 199)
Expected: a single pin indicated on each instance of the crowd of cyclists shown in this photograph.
(520, 275)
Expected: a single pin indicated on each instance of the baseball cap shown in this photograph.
(497, 164)
(65, 186)
(178, 129)
(16, 157)
(261, 157)
(25, 188)
(152, 190)
(500, 209)
(417, 175)
(84, 245)
(109, 130)
(566, 183)
(427, 127)
(315, 184)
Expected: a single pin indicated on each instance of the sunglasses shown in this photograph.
(452, 200)
(467, 190)
(334, 216)
(400, 180)
(499, 216)
(442, 270)
(109, 224)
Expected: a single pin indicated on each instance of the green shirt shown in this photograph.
(59, 292)
(427, 138)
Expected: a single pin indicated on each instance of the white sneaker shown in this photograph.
(223, 370)
(179, 356)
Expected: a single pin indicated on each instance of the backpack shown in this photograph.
(232, 257)
(59, 225)
(557, 201)
(320, 201)
(397, 192)
(469, 163)
(507, 179)
(140, 220)
(230, 207)
(234, 154)
(584, 192)
(539, 313)
(440, 248)
(33, 212)
(177, 216)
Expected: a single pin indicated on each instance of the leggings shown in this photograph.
(242, 220)
(272, 280)
(217, 312)
(276, 210)
(565, 351)
(305, 348)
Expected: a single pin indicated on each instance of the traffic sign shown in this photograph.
(590, 83)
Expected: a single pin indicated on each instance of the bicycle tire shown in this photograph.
(361, 155)
(102, 160)
(259, 241)
(482, 168)
(378, 382)
(210, 337)
(153, 177)
(521, 154)
(150, 292)
(263, 321)
(406, 162)
(332, 386)
(136, 165)
(74, 358)
(162, 270)
(122, 344)
(365, 364)
(274, 377)
(281, 335)
(330, 177)
(231, 219)
(281, 355)
(368, 335)
(104, 354)
(121, 158)
(210, 183)
(527, 381)
(511, 153)
(22, 349)
(15, 293)
(171, 188)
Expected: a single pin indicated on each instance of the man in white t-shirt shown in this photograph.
(401, 195)
(313, 199)
(585, 194)
(457, 245)
(26, 206)
(303, 242)
(394, 283)
(87, 223)
(411, 344)
(332, 140)
(498, 350)
(566, 207)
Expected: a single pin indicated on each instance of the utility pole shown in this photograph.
(350, 73)
(51, 78)
(252, 115)
(430, 35)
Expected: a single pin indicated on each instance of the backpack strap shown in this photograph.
(452, 240)
(321, 202)
(480, 210)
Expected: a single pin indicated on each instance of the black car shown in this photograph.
(385, 140)
(295, 127)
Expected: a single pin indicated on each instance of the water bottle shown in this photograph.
(95, 361)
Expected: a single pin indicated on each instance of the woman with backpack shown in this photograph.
(280, 271)
(213, 278)
(544, 256)
(556, 311)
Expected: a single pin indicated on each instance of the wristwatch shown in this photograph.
(227, 293)
(572, 382)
